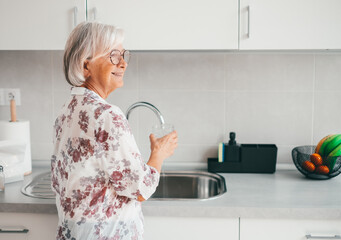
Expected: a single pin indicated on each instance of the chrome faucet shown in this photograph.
(148, 105)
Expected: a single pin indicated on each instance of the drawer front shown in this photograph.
(284, 229)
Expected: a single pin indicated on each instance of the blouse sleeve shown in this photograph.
(121, 160)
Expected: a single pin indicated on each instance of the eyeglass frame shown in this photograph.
(121, 56)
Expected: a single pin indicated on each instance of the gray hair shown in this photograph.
(86, 41)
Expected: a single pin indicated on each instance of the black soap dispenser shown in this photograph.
(232, 149)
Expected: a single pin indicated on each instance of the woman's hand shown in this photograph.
(162, 148)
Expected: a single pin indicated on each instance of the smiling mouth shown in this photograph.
(117, 74)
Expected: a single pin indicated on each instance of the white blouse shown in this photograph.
(97, 171)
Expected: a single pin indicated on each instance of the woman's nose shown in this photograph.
(122, 63)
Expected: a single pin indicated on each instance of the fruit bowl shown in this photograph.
(302, 155)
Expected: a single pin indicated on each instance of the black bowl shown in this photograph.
(302, 153)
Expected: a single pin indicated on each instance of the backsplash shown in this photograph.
(286, 98)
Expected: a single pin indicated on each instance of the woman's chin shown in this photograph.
(117, 83)
(121, 84)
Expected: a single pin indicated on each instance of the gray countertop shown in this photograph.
(284, 194)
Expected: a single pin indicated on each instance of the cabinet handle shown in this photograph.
(13, 230)
(322, 237)
(248, 21)
(75, 12)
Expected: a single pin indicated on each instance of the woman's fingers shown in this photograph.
(174, 134)
(164, 145)
(152, 137)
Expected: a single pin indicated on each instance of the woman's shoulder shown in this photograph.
(108, 113)
(105, 109)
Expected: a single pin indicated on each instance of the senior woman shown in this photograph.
(98, 175)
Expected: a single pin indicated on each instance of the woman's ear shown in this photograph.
(86, 71)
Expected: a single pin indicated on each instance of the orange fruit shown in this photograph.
(309, 166)
(322, 169)
(316, 159)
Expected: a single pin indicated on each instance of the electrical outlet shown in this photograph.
(8, 92)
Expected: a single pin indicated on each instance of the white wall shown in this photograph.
(286, 98)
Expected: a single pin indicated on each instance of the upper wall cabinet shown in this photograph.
(38, 24)
(290, 24)
(171, 25)
(177, 24)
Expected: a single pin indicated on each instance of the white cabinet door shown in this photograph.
(290, 24)
(171, 25)
(170, 228)
(12, 235)
(40, 226)
(38, 24)
(280, 229)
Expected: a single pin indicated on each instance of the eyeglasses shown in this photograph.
(115, 56)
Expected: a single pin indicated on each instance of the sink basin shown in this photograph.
(39, 187)
(189, 185)
(176, 185)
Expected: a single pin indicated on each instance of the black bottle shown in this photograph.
(232, 149)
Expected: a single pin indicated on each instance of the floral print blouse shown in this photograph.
(97, 171)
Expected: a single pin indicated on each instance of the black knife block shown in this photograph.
(253, 158)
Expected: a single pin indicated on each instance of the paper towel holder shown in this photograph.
(18, 132)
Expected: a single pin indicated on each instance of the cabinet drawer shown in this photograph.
(13, 236)
(40, 226)
(183, 228)
(284, 229)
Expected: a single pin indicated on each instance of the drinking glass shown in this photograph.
(161, 130)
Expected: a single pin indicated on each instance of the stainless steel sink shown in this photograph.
(189, 186)
(173, 186)
(39, 187)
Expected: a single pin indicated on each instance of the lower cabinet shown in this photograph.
(280, 229)
(40, 226)
(44, 226)
(183, 228)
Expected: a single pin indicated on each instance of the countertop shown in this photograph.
(284, 194)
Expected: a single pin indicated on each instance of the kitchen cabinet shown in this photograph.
(284, 229)
(170, 228)
(40, 226)
(177, 24)
(290, 24)
(171, 25)
(38, 24)
(13, 233)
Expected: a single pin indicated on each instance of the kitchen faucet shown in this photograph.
(148, 105)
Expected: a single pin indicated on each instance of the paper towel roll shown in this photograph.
(20, 132)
